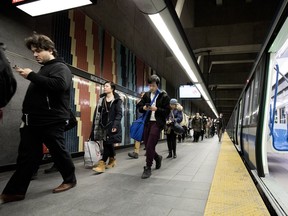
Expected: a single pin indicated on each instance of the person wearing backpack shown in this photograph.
(45, 114)
(8, 83)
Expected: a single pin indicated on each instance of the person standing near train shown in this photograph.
(220, 122)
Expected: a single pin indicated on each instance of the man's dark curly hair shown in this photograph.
(42, 42)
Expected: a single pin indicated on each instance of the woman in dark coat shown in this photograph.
(108, 125)
(174, 116)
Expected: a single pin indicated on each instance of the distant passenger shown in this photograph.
(204, 123)
(174, 116)
(109, 124)
(208, 127)
(155, 121)
(45, 112)
(197, 126)
(135, 154)
(220, 123)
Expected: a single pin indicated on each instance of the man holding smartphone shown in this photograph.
(45, 112)
(155, 121)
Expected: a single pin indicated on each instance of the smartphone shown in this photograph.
(147, 104)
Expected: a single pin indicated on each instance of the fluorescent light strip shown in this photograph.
(170, 41)
(201, 90)
(49, 6)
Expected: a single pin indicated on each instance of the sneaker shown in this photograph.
(175, 155)
(158, 162)
(133, 155)
(146, 173)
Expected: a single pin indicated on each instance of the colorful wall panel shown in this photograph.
(87, 46)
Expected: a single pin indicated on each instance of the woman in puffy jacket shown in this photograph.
(174, 116)
(108, 125)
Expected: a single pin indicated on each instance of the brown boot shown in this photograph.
(100, 168)
(112, 163)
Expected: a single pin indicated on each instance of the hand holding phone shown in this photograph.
(147, 106)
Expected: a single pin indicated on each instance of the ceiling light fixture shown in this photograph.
(40, 7)
(172, 44)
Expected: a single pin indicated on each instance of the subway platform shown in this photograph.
(181, 187)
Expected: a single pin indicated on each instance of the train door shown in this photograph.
(275, 124)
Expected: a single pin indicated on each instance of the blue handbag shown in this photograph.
(137, 127)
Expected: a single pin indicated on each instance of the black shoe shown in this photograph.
(5, 198)
(146, 172)
(175, 156)
(169, 155)
(158, 162)
(51, 169)
(133, 155)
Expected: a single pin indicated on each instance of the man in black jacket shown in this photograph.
(155, 121)
(45, 114)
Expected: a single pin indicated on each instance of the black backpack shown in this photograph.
(8, 83)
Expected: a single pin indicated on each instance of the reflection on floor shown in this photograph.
(180, 187)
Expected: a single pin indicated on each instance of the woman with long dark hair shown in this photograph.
(109, 124)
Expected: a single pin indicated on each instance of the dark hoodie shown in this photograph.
(47, 98)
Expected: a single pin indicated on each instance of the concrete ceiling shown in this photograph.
(225, 35)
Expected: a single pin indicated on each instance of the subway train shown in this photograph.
(258, 125)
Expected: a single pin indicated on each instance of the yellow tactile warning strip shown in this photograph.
(233, 191)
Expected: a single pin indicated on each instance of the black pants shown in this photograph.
(30, 155)
(109, 151)
(171, 142)
(196, 135)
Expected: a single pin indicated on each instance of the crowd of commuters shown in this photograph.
(46, 115)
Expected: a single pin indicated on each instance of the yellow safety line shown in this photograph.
(233, 191)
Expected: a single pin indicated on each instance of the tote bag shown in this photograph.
(92, 153)
(137, 127)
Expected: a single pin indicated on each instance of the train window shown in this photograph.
(282, 116)
(246, 120)
(256, 91)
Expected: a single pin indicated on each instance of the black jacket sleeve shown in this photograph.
(145, 99)
(59, 79)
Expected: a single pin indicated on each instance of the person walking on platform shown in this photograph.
(197, 127)
(45, 114)
(208, 127)
(175, 116)
(135, 154)
(155, 121)
(220, 122)
(204, 123)
(109, 125)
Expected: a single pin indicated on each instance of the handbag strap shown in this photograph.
(154, 98)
